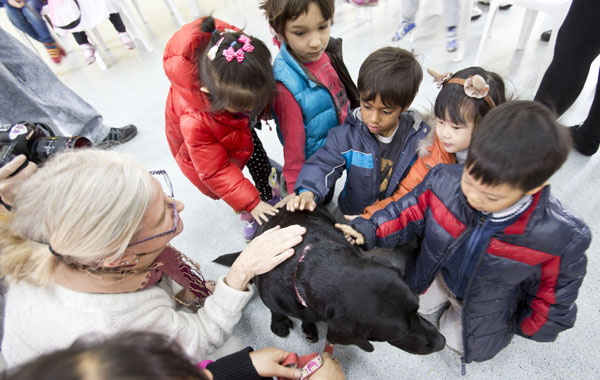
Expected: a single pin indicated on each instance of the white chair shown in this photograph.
(556, 9)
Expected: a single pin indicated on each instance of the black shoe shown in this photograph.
(583, 144)
(118, 136)
(545, 36)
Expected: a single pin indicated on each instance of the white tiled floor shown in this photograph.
(134, 89)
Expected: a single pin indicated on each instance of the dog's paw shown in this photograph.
(282, 327)
(311, 333)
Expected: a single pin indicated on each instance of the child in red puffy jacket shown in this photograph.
(220, 77)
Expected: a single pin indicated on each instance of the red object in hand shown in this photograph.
(308, 364)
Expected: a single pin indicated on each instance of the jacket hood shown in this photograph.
(180, 60)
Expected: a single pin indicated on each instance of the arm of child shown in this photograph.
(291, 123)
(549, 308)
(416, 174)
(400, 221)
(325, 166)
(215, 170)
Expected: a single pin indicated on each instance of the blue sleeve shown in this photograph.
(324, 167)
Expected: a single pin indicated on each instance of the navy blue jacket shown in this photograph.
(525, 282)
(353, 148)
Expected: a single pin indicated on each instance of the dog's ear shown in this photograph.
(340, 331)
(365, 345)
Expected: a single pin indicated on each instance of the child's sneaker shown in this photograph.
(451, 40)
(127, 41)
(250, 227)
(403, 29)
(89, 53)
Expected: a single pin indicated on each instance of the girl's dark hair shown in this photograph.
(518, 143)
(137, 355)
(244, 86)
(454, 105)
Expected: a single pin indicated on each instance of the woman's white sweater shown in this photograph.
(43, 319)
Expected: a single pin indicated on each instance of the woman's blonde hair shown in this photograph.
(86, 205)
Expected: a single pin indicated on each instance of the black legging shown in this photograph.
(260, 168)
(114, 18)
(577, 45)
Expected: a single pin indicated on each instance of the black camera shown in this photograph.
(36, 141)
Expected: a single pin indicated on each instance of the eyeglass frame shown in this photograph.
(172, 205)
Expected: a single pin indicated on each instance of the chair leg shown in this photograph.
(136, 5)
(487, 30)
(173, 8)
(463, 27)
(530, 16)
(135, 29)
(194, 10)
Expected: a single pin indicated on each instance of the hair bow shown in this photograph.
(439, 79)
(230, 53)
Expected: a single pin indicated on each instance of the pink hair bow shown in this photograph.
(230, 53)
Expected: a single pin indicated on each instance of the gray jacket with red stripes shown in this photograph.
(525, 282)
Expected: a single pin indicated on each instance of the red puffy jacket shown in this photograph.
(210, 148)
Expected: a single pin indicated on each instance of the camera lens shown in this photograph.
(45, 147)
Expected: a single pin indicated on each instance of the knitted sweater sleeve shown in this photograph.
(203, 332)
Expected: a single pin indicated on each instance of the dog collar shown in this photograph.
(300, 299)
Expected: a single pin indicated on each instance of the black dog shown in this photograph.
(361, 298)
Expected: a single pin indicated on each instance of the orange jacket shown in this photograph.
(432, 155)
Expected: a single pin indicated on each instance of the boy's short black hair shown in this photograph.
(279, 12)
(518, 143)
(392, 73)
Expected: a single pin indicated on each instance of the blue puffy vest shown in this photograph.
(318, 109)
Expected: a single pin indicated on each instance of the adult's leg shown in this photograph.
(577, 45)
(31, 91)
(451, 13)
(117, 21)
(32, 13)
(408, 10)
(81, 38)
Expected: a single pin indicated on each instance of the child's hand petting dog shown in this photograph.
(352, 235)
(304, 201)
(261, 210)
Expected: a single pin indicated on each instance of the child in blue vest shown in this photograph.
(377, 144)
(314, 90)
(499, 251)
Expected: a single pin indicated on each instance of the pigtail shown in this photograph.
(208, 25)
(24, 259)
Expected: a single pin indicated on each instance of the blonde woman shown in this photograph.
(87, 252)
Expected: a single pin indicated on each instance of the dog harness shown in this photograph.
(300, 299)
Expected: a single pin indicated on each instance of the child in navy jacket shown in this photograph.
(497, 246)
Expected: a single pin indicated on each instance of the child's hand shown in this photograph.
(304, 201)
(261, 211)
(352, 235)
(285, 200)
(330, 370)
(350, 217)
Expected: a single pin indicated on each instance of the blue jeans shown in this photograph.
(29, 21)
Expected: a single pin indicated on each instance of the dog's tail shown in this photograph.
(227, 259)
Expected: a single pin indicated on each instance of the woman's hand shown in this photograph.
(8, 184)
(304, 201)
(264, 253)
(267, 363)
(261, 210)
(330, 370)
(352, 235)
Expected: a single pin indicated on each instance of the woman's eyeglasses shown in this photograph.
(167, 186)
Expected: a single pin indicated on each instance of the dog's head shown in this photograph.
(382, 308)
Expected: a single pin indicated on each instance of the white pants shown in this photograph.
(408, 10)
(450, 324)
